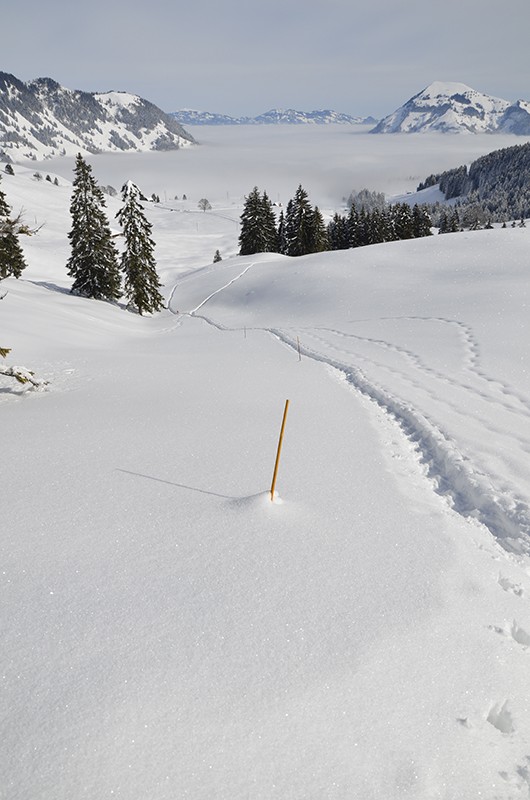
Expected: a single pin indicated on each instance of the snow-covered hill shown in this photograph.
(275, 116)
(168, 631)
(42, 119)
(456, 108)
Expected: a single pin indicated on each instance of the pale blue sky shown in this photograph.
(245, 57)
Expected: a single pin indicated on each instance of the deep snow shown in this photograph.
(168, 631)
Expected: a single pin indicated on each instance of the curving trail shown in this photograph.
(443, 410)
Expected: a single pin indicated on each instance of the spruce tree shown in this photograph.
(443, 224)
(299, 225)
(421, 222)
(454, 222)
(137, 260)
(363, 228)
(281, 234)
(11, 256)
(270, 232)
(387, 228)
(319, 235)
(251, 239)
(338, 233)
(93, 262)
(258, 232)
(403, 225)
(354, 227)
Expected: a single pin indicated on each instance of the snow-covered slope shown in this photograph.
(456, 108)
(275, 116)
(170, 632)
(42, 119)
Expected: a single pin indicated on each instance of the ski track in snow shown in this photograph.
(221, 289)
(423, 387)
(470, 492)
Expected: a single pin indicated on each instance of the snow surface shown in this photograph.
(167, 631)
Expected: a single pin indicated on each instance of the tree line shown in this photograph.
(301, 230)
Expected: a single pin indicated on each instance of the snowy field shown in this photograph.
(169, 632)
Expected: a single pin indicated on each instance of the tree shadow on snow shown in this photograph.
(51, 286)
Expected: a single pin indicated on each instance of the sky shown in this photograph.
(243, 57)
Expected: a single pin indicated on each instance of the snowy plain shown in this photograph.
(169, 632)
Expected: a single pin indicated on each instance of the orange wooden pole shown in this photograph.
(280, 441)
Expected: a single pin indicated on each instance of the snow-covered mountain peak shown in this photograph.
(449, 107)
(445, 88)
(41, 119)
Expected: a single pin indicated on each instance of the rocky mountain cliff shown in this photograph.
(457, 108)
(41, 119)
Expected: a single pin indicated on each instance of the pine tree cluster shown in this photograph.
(94, 262)
(391, 224)
(498, 183)
(302, 230)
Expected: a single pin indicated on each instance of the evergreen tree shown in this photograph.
(93, 262)
(270, 233)
(443, 223)
(454, 222)
(387, 228)
(251, 238)
(258, 232)
(363, 228)
(11, 256)
(282, 245)
(137, 260)
(338, 233)
(319, 235)
(375, 227)
(421, 222)
(299, 225)
(403, 224)
(354, 233)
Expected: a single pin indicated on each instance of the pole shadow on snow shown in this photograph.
(179, 485)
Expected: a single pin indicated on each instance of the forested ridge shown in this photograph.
(498, 182)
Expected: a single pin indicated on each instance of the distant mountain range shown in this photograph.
(456, 108)
(276, 116)
(41, 119)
